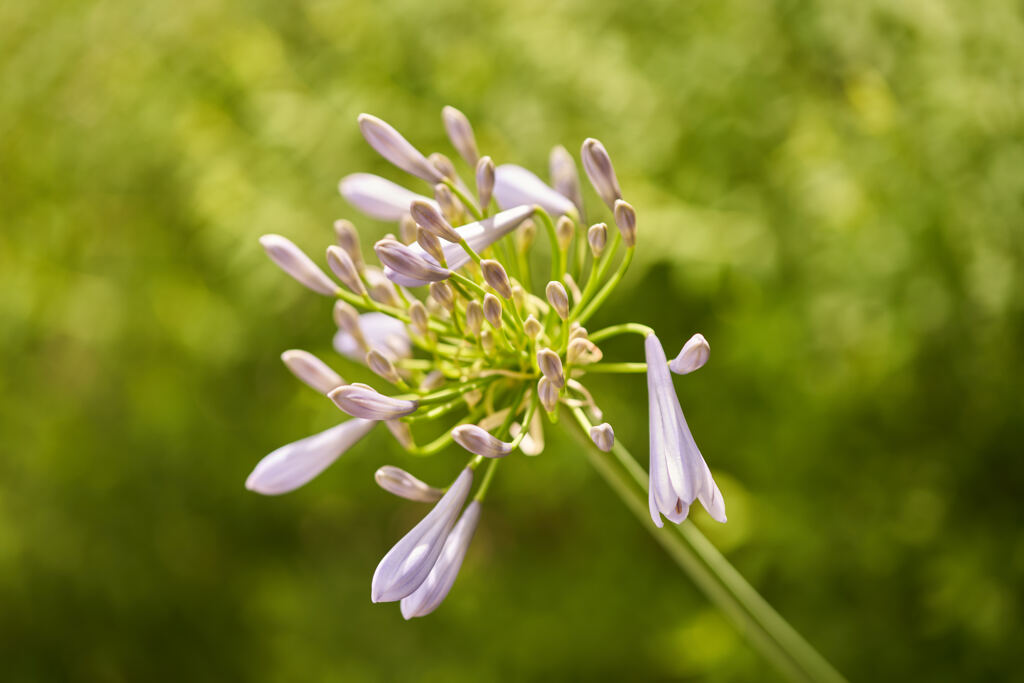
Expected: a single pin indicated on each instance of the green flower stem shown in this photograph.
(556, 253)
(766, 630)
(624, 328)
(442, 442)
(618, 368)
(466, 200)
(481, 493)
(609, 286)
(366, 302)
(597, 272)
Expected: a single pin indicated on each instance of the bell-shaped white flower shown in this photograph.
(678, 473)
(479, 235)
(515, 185)
(291, 466)
(378, 197)
(439, 582)
(382, 332)
(408, 564)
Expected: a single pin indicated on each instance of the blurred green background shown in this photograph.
(831, 192)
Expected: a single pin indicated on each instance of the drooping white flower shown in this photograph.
(360, 400)
(399, 482)
(460, 132)
(378, 197)
(515, 185)
(408, 563)
(678, 473)
(294, 261)
(479, 441)
(390, 144)
(294, 464)
(439, 581)
(311, 370)
(479, 235)
(693, 356)
(382, 332)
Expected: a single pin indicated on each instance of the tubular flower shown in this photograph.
(473, 350)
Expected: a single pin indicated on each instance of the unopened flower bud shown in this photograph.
(603, 436)
(419, 318)
(460, 132)
(518, 297)
(550, 365)
(693, 356)
(525, 235)
(564, 229)
(433, 380)
(597, 237)
(407, 264)
(572, 287)
(390, 144)
(348, 239)
(401, 431)
(484, 181)
(380, 365)
(532, 327)
(311, 370)
(625, 218)
(577, 331)
(381, 289)
(344, 269)
(495, 275)
(443, 294)
(582, 351)
(451, 207)
(407, 229)
(564, 177)
(547, 392)
(558, 299)
(474, 317)
(480, 442)
(346, 317)
(429, 243)
(430, 218)
(404, 485)
(360, 400)
(598, 166)
(492, 310)
(487, 341)
(294, 261)
(443, 165)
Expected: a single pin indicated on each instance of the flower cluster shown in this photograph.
(453, 322)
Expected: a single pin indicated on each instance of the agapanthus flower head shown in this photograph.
(470, 340)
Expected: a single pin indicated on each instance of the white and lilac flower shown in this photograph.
(294, 261)
(382, 332)
(360, 400)
(295, 464)
(515, 185)
(390, 144)
(378, 197)
(404, 485)
(693, 356)
(435, 588)
(409, 562)
(678, 473)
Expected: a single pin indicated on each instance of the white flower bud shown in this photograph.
(431, 220)
(443, 294)
(439, 582)
(444, 166)
(404, 485)
(603, 436)
(433, 380)
(294, 261)
(406, 263)
(460, 132)
(487, 341)
(525, 236)
(532, 327)
(547, 392)
(380, 288)
(390, 144)
(693, 356)
(564, 177)
(577, 331)
(519, 297)
(598, 166)
(558, 299)
(484, 181)
(346, 317)
(419, 318)
(344, 269)
(480, 442)
(582, 351)
(495, 276)
(450, 206)
(407, 229)
(474, 317)
(381, 366)
(551, 366)
(311, 370)
(492, 310)
(360, 400)
(625, 218)
(430, 244)
(348, 239)
(564, 229)
(597, 237)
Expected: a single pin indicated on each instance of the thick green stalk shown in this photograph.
(766, 630)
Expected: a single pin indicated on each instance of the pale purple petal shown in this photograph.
(409, 562)
(382, 332)
(439, 582)
(378, 197)
(515, 185)
(294, 464)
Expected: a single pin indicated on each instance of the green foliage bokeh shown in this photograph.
(832, 193)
